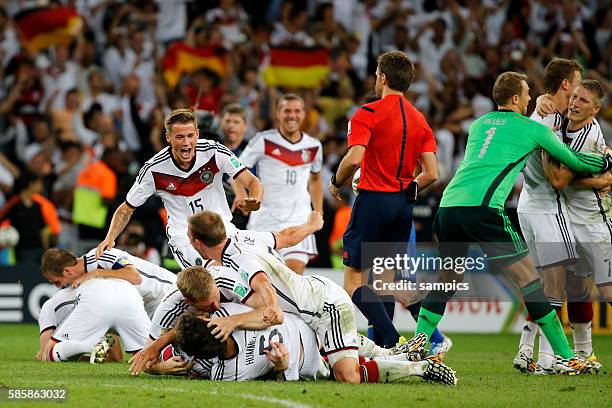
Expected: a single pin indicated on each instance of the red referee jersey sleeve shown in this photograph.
(429, 141)
(360, 127)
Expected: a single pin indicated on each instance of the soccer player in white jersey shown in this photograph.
(290, 349)
(152, 281)
(100, 305)
(588, 200)
(53, 313)
(543, 216)
(187, 176)
(288, 163)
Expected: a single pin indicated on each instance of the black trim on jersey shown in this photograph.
(367, 108)
(161, 158)
(609, 229)
(403, 149)
(47, 328)
(182, 259)
(292, 303)
(227, 243)
(222, 311)
(582, 137)
(498, 180)
(220, 370)
(602, 212)
(155, 277)
(66, 303)
(254, 275)
(173, 313)
(225, 282)
(274, 237)
(335, 325)
(152, 338)
(169, 294)
(283, 136)
(239, 172)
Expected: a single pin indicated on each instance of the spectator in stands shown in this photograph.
(33, 216)
(132, 240)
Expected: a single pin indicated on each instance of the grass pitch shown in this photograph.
(483, 364)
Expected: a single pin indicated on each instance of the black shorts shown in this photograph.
(377, 217)
(457, 227)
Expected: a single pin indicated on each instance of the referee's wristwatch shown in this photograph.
(333, 181)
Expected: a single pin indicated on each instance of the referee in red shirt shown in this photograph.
(387, 138)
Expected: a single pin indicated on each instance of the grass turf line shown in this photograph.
(483, 363)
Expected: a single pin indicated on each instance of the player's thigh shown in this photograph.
(595, 242)
(133, 323)
(336, 328)
(493, 230)
(550, 237)
(450, 238)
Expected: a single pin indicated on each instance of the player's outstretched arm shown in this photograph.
(558, 176)
(247, 180)
(224, 326)
(120, 219)
(291, 236)
(44, 341)
(315, 188)
(347, 168)
(149, 355)
(128, 273)
(576, 161)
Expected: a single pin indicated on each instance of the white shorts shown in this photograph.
(335, 328)
(311, 365)
(549, 237)
(595, 248)
(102, 304)
(185, 254)
(304, 252)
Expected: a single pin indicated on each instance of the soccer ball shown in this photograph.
(9, 237)
(356, 178)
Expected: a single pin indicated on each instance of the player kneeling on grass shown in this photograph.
(53, 313)
(288, 351)
(100, 305)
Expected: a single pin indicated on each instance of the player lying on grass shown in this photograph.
(290, 350)
(272, 289)
(62, 268)
(99, 305)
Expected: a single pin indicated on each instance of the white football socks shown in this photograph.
(583, 341)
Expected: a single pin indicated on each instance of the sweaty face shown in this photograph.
(582, 105)
(290, 116)
(233, 127)
(524, 98)
(183, 138)
(209, 304)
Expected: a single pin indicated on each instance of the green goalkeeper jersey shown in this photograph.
(499, 144)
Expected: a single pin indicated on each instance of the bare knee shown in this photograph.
(346, 370)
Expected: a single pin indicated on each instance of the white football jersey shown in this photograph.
(251, 361)
(585, 206)
(185, 192)
(304, 296)
(284, 169)
(56, 309)
(537, 195)
(156, 281)
(173, 305)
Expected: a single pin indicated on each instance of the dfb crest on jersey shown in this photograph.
(305, 155)
(206, 176)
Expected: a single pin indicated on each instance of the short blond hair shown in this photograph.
(195, 282)
(183, 116)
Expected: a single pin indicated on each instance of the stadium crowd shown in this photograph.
(78, 120)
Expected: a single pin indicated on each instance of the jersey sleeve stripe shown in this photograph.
(367, 108)
(155, 277)
(163, 157)
(239, 172)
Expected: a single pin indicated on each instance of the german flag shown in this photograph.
(296, 67)
(181, 58)
(40, 28)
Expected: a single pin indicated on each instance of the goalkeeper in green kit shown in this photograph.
(472, 209)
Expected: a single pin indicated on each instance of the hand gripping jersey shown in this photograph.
(284, 169)
(537, 195)
(156, 281)
(585, 206)
(185, 192)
